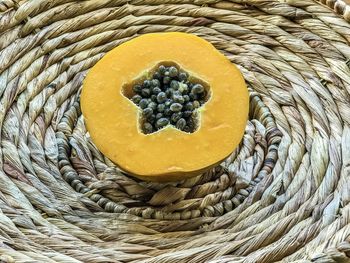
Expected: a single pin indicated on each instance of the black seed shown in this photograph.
(152, 105)
(154, 98)
(148, 128)
(161, 69)
(166, 79)
(151, 118)
(162, 122)
(191, 123)
(167, 112)
(187, 114)
(136, 99)
(137, 88)
(189, 106)
(187, 129)
(183, 88)
(179, 99)
(203, 94)
(197, 89)
(168, 97)
(180, 124)
(173, 72)
(182, 76)
(169, 92)
(147, 112)
(155, 83)
(161, 107)
(196, 104)
(175, 117)
(143, 103)
(193, 96)
(175, 107)
(161, 97)
(146, 83)
(156, 75)
(156, 90)
(174, 85)
(145, 92)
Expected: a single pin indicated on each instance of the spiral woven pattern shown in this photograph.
(282, 196)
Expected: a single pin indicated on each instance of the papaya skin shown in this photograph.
(168, 154)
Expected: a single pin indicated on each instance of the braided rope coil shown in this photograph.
(282, 196)
(341, 7)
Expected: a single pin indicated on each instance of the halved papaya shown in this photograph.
(185, 68)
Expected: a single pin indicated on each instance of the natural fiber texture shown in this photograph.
(341, 7)
(283, 195)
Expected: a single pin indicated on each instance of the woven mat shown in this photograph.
(283, 195)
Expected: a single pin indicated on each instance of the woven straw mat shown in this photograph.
(282, 196)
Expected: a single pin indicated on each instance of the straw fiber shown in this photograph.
(282, 196)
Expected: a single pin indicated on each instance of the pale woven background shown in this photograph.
(283, 195)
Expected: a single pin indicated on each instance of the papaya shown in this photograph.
(165, 106)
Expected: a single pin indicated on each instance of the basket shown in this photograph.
(282, 196)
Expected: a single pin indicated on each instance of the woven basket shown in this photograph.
(283, 195)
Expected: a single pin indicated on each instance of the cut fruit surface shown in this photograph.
(167, 154)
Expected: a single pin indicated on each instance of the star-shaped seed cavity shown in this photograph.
(168, 95)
